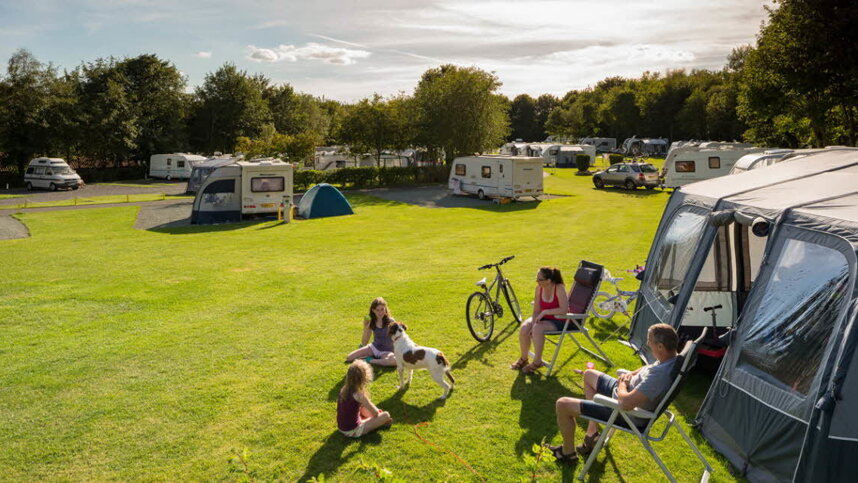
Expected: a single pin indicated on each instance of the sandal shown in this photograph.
(517, 365)
(532, 367)
(561, 457)
(587, 446)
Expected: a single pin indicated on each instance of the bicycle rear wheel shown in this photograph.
(511, 300)
(481, 316)
(603, 305)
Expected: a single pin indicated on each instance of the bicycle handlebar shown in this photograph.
(707, 309)
(490, 265)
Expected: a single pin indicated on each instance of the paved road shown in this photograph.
(99, 189)
(175, 213)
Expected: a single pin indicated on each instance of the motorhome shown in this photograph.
(516, 148)
(52, 174)
(603, 145)
(173, 166)
(242, 188)
(497, 176)
(635, 146)
(698, 161)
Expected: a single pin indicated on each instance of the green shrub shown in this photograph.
(582, 162)
(615, 158)
(306, 178)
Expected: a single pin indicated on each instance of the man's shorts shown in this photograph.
(606, 386)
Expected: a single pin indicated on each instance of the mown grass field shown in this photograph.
(92, 200)
(134, 355)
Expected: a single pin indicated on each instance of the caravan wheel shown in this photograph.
(169, 177)
(29, 186)
(481, 195)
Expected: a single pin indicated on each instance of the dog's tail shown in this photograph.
(442, 359)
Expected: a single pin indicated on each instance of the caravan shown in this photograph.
(698, 161)
(259, 186)
(602, 145)
(173, 166)
(773, 252)
(497, 176)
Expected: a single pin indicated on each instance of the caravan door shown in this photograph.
(488, 183)
(505, 176)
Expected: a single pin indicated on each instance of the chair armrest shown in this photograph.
(572, 316)
(607, 401)
(614, 404)
(620, 372)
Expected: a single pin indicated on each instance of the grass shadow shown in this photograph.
(538, 396)
(636, 193)
(328, 458)
(183, 227)
(482, 349)
(409, 413)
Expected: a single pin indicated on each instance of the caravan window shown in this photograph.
(169, 162)
(791, 327)
(487, 171)
(30, 170)
(221, 186)
(714, 162)
(685, 167)
(40, 170)
(675, 252)
(461, 170)
(264, 185)
(180, 164)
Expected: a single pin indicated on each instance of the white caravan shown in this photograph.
(497, 176)
(52, 174)
(252, 187)
(603, 145)
(563, 155)
(695, 162)
(173, 166)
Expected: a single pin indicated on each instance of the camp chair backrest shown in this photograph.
(685, 361)
(587, 279)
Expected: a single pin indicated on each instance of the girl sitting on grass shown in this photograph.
(356, 414)
(380, 352)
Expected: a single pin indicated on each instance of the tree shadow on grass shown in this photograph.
(483, 349)
(333, 454)
(636, 193)
(538, 395)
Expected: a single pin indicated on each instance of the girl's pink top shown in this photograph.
(554, 304)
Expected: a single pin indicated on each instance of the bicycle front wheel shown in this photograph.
(481, 316)
(603, 305)
(512, 301)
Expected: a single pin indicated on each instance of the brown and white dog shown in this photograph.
(410, 356)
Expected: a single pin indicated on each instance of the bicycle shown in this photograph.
(606, 305)
(481, 310)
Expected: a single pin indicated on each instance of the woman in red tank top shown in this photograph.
(549, 300)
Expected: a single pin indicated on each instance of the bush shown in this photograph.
(306, 178)
(371, 177)
(582, 162)
(615, 158)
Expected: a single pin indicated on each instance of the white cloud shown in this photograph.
(203, 54)
(310, 51)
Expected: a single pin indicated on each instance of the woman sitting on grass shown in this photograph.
(356, 414)
(381, 350)
(549, 300)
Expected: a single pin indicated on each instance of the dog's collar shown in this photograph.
(394, 339)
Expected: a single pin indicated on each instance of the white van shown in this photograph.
(173, 166)
(497, 176)
(52, 174)
(252, 187)
(698, 161)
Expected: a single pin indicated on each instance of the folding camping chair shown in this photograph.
(581, 296)
(683, 365)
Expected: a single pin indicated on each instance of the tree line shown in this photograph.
(796, 87)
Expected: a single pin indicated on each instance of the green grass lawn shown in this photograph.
(6, 197)
(134, 355)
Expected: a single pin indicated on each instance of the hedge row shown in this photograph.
(372, 177)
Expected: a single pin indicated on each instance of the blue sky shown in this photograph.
(347, 50)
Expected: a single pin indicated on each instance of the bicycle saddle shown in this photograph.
(482, 283)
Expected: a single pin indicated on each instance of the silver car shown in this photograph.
(628, 175)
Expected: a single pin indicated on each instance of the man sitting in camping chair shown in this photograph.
(642, 388)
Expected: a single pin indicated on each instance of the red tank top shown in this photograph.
(554, 304)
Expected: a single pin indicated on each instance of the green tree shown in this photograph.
(228, 105)
(155, 90)
(522, 119)
(26, 97)
(109, 125)
(375, 125)
(544, 105)
(458, 109)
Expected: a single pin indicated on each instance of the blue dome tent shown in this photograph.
(323, 200)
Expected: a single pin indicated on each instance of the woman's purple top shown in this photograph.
(381, 339)
(348, 413)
